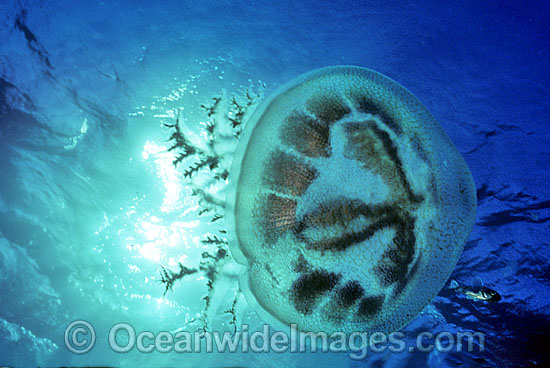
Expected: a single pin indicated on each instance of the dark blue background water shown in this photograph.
(91, 206)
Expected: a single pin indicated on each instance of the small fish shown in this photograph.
(477, 291)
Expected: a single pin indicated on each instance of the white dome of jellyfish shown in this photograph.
(347, 203)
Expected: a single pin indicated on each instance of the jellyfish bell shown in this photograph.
(347, 203)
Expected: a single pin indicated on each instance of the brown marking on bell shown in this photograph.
(366, 147)
(279, 216)
(374, 148)
(341, 243)
(391, 150)
(388, 272)
(307, 289)
(335, 212)
(350, 293)
(340, 216)
(417, 146)
(343, 301)
(270, 271)
(363, 142)
(393, 266)
(370, 305)
(328, 108)
(369, 106)
(301, 265)
(288, 175)
(410, 274)
(306, 135)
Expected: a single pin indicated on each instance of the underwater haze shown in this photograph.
(95, 217)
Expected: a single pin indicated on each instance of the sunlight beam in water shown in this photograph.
(166, 171)
(159, 234)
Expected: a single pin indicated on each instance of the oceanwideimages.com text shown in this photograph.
(80, 338)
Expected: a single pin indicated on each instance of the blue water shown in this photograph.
(91, 206)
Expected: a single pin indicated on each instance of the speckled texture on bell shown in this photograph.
(347, 202)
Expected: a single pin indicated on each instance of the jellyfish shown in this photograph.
(347, 204)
